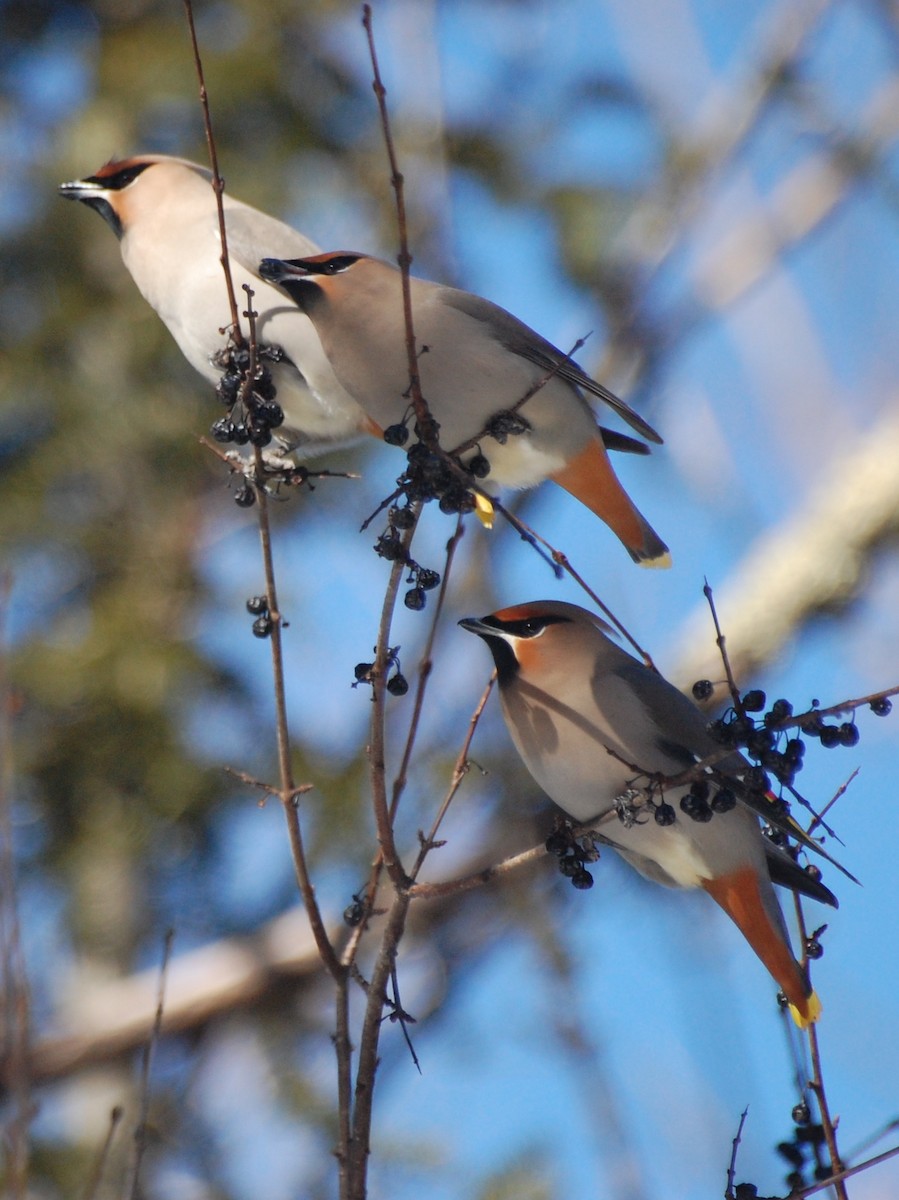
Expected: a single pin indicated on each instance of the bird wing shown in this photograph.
(680, 737)
(517, 337)
(253, 235)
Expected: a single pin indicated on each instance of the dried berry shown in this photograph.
(257, 605)
(396, 435)
(723, 800)
(882, 707)
(582, 879)
(702, 689)
(415, 599)
(665, 814)
(754, 701)
(801, 1114)
(263, 626)
(398, 685)
(245, 497)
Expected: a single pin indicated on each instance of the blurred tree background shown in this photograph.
(711, 189)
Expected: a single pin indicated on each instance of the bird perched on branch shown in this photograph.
(592, 724)
(504, 399)
(163, 211)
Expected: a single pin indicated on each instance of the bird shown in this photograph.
(163, 211)
(479, 367)
(591, 723)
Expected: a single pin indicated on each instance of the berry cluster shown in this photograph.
(807, 1149)
(768, 744)
(397, 684)
(257, 606)
(252, 412)
(573, 853)
(390, 546)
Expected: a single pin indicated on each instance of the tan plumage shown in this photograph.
(475, 360)
(163, 211)
(583, 714)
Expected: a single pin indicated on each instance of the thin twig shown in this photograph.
(720, 643)
(16, 992)
(841, 791)
(735, 1145)
(96, 1175)
(140, 1131)
(845, 1173)
(459, 772)
(426, 429)
(816, 1083)
(218, 184)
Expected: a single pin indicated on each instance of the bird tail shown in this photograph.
(739, 895)
(589, 477)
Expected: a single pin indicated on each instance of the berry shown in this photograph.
(882, 707)
(257, 605)
(754, 701)
(428, 579)
(813, 871)
(791, 1152)
(259, 435)
(699, 790)
(582, 879)
(697, 810)
(848, 734)
(396, 435)
(401, 518)
(415, 599)
(794, 751)
(557, 842)
(702, 689)
(723, 800)
(830, 736)
(813, 948)
(665, 814)
(801, 1114)
(362, 671)
(228, 387)
(263, 626)
(389, 546)
(780, 711)
(223, 430)
(479, 466)
(353, 913)
(398, 685)
(245, 497)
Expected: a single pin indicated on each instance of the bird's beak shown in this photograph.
(481, 628)
(283, 270)
(82, 189)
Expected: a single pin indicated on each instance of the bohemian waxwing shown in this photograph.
(476, 362)
(163, 211)
(583, 714)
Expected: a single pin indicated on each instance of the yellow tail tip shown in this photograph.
(812, 1013)
(484, 510)
(660, 563)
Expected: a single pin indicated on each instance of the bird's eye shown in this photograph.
(533, 627)
(340, 262)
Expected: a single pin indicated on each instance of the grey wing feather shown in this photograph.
(682, 732)
(517, 337)
(253, 235)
